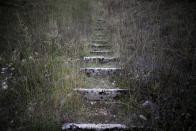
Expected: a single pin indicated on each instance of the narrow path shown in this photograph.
(103, 106)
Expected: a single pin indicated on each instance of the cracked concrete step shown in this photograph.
(89, 71)
(100, 59)
(93, 127)
(101, 94)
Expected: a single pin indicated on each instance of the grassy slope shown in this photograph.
(40, 47)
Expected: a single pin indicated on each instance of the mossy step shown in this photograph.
(93, 127)
(100, 59)
(99, 71)
(102, 94)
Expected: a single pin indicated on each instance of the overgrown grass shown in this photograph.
(40, 51)
(156, 40)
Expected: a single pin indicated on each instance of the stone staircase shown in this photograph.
(102, 96)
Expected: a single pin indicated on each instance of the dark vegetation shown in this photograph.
(157, 48)
(156, 41)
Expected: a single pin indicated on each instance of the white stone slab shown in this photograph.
(96, 127)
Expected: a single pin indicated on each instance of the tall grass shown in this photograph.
(157, 50)
(41, 43)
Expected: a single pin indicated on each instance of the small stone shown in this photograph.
(4, 85)
(143, 117)
(92, 103)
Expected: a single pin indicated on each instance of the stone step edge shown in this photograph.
(89, 58)
(100, 40)
(100, 71)
(102, 127)
(101, 51)
(101, 89)
(95, 127)
(100, 68)
(100, 45)
(101, 94)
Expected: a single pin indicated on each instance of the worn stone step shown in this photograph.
(99, 71)
(101, 32)
(96, 34)
(100, 38)
(96, 39)
(100, 26)
(102, 41)
(101, 52)
(100, 21)
(100, 94)
(102, 127)
(100, 45)
(100, 59)
(100, 29)
(93, 127)
(99, 82)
